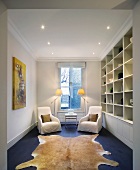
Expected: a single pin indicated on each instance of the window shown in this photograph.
(71, 79)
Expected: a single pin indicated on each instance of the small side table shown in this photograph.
(70, 115)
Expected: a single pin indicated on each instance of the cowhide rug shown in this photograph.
(60, 153)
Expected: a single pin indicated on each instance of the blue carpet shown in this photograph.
(22, 150)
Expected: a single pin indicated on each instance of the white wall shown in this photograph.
(19, 121)
(136, 70)
(2, 7)
(3, 87)
(48, 81)
(93, 82)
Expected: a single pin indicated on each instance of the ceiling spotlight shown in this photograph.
(52, 53)
(49, 43)
(108, 27)
(93, 53)
(42, 27)
(99, 43)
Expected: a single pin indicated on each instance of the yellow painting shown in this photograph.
(19, 84)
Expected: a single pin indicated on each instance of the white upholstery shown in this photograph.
(89, 126)
(47, 127)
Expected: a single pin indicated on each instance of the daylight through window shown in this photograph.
(71, 79)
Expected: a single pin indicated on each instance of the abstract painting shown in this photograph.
(19, 84)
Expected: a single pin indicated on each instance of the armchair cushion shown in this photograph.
(93, 117)
(46, 118)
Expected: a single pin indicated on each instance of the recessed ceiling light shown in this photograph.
(42, 27)
(99, 43)
(108, 27)
(52, 53)
(49, 43)
(93, 53)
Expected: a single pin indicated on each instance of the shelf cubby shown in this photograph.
(109, 109)
(128, 53)
(110, 77)
(118, 86)
(103, 91)
(109, 68)
(118, 61)
(127, 97)
(110, 98)
(117, 72)
(109, 57)
(118, 48)
(103, 73)
(103, 80)
(128, 83)
(128, 68)
(103, 107)
(118, 98)
(128, 114)
(127, 37)
(118, 111)
(109, 88)
(103, 98)
(103, 63)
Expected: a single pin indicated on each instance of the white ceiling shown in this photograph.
(73, 33)
(70, 4)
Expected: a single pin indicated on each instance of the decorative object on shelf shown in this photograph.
(131, 102)
(105, 72)
(120, 49)
(131, 39)
(111, 101)
(111, 90)
(19, 84)
(119, 65)
(110, 80)
(57, 93)
(105, 100)
(81, 92)
(104, 82)
(120, 75)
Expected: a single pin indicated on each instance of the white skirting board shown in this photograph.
(21, 135)
(119, 128)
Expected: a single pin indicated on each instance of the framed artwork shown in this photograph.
(19, 84)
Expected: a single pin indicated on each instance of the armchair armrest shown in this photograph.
(55, 119)
(85, 118)
(99, 122)
(39, 124)
(99, 119)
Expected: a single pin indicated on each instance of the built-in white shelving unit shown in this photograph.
(117, 80)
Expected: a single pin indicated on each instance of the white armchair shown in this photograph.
(90, 126)
(47, 127)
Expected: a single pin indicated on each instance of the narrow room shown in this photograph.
(69, 85)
